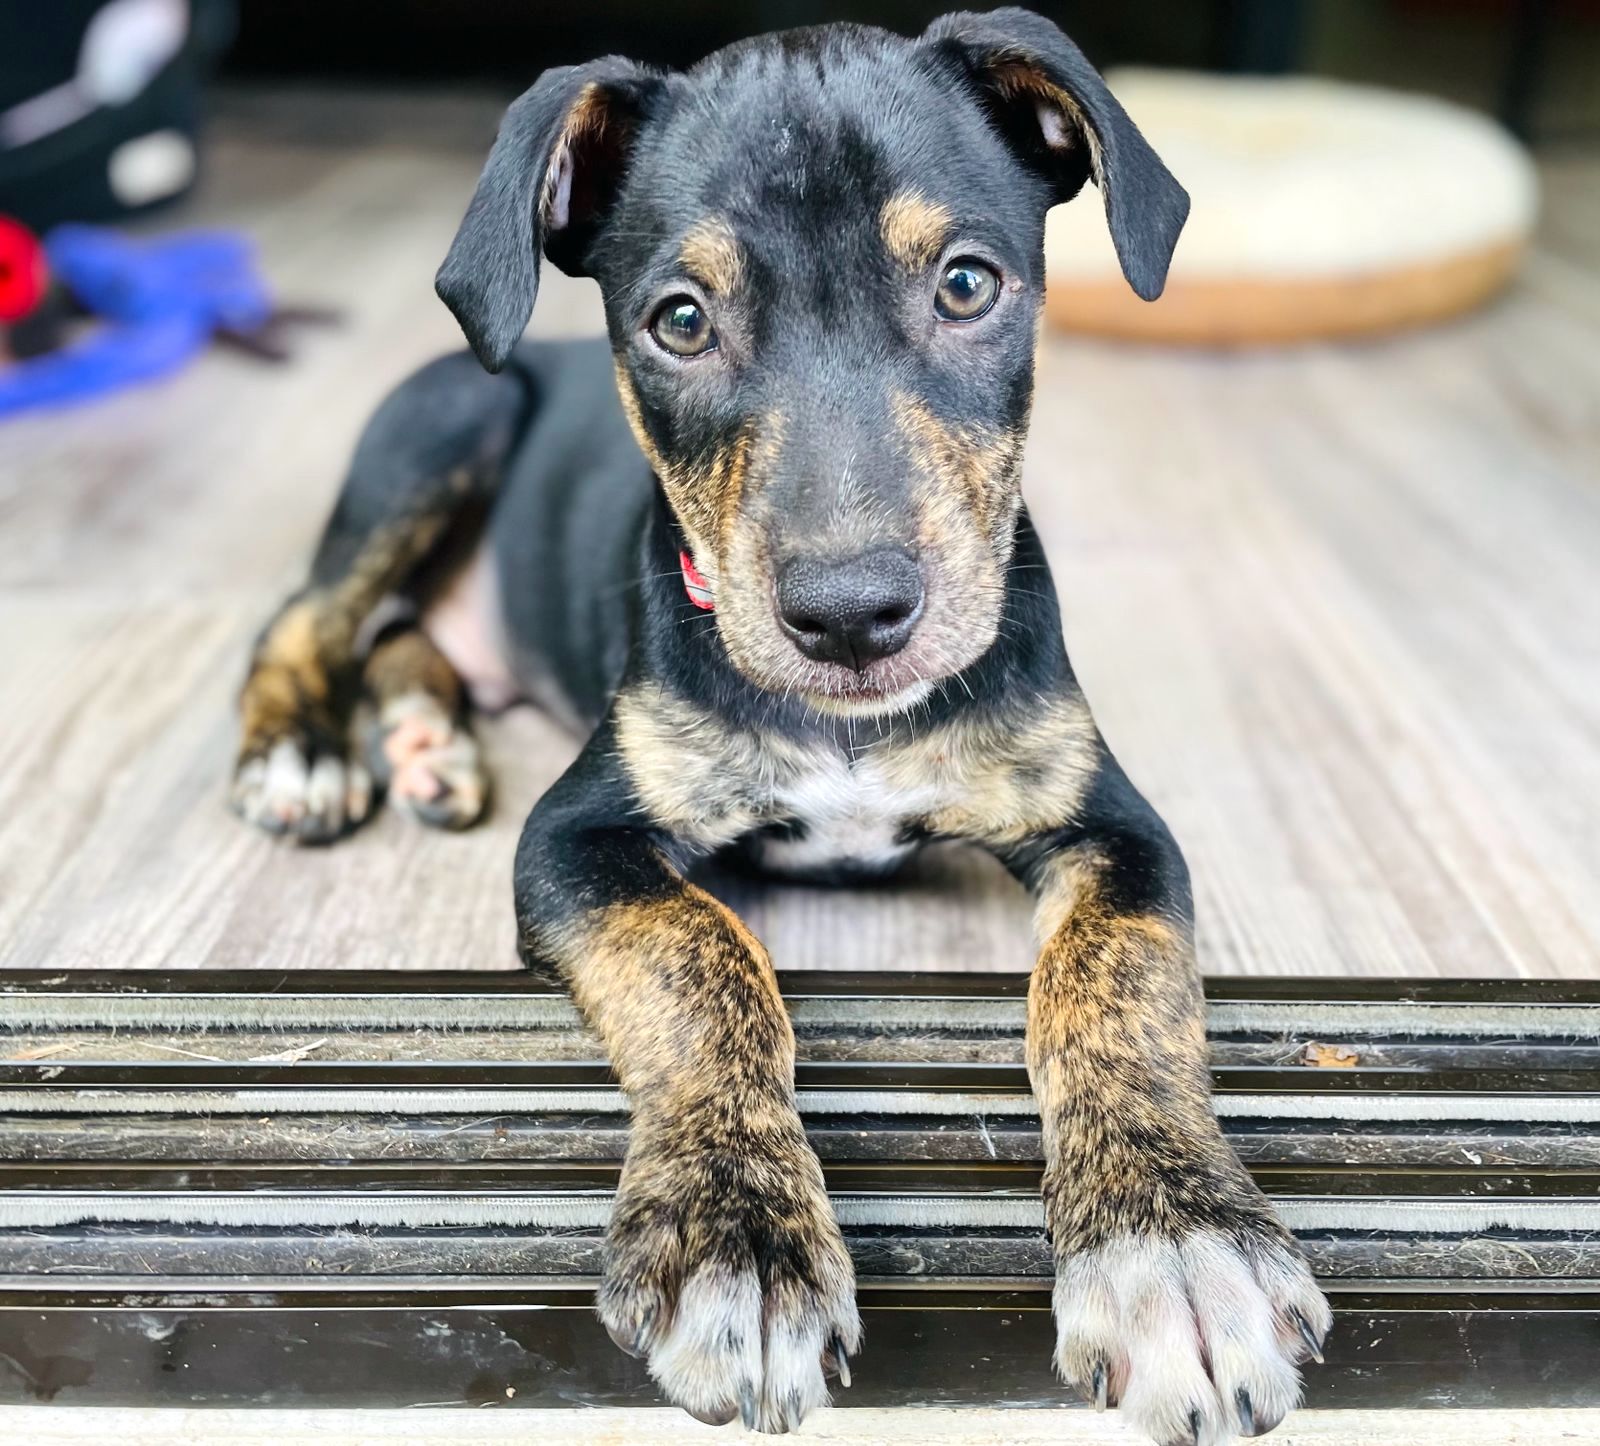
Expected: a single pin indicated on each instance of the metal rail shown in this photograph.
(343, 1189)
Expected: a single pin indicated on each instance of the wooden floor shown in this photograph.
(1338, 610)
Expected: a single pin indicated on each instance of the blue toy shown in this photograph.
(161, 302)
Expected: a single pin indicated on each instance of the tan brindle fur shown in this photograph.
(965, 465)
(632, 966)
(998, 781)
(410, 662)
(687, 1003)
(306, 656)
(1118, 1059)
(705, 494)
(914, 229)
(288, 680)
(711, 253)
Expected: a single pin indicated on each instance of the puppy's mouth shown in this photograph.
(887, 685)
(941, 641)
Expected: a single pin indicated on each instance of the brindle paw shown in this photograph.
(1197, 1338)
(306, 796)
(738, 1293)
(428, 763)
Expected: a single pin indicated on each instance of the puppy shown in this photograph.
(766, 543)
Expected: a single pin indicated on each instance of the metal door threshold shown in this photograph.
(387, 1190)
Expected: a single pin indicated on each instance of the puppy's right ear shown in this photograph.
(552, 173)
(1063, 122)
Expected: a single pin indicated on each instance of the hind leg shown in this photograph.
(293, 775)
(418, 744)
(431, 455)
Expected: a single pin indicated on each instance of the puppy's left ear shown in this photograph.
(549, 180)
(1054, 109)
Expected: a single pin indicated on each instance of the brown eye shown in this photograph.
(683, 328)
(967, 290)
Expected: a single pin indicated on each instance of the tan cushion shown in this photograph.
(1319, 209)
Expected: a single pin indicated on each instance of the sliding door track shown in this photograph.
(390, 1190)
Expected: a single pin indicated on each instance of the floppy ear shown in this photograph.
(1054, 109)
(550, 176)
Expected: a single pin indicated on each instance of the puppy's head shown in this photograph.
(821, 254)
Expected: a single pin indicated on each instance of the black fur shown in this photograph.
(490, 277)
(580, 529)
(1145, 206)
(811, 193)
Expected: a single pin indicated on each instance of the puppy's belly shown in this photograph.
(463, 620)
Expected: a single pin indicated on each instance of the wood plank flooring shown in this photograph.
(1338, 610)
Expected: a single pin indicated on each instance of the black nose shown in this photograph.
(851, 610)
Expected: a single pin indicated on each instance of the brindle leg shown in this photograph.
(1178, 1294)
(432, 449)
(419, 745)
(725, 1268)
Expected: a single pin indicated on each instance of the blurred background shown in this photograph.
(1533, 61)
(1324, 519)
(143, 63)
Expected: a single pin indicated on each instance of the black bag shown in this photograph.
(100, 104)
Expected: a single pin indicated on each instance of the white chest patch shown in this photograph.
(848, 817)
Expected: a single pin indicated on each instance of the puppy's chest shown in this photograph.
(836, 816)
(815, 808)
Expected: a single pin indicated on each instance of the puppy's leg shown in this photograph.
(725, 1268)
(433, 448)
(1178, 1293)
(418, 745)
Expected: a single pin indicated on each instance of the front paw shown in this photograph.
(725, 1269)
(1196, 1334)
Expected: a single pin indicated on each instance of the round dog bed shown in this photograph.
(1319, 209)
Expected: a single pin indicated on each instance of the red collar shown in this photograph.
(697, 587)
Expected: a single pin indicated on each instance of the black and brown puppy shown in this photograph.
(811, 621)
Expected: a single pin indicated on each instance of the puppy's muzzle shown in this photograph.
(851, 610)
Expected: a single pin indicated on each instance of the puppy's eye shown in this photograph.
(683, 328)
(966, 290)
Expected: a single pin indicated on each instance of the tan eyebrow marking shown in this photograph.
(712, 254)
(914, 228)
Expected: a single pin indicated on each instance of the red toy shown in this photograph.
(24, 272)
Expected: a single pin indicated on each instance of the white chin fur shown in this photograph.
(867, 705)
